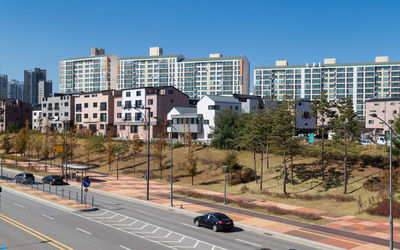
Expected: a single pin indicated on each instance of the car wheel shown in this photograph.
(197, 223)
(215, 228)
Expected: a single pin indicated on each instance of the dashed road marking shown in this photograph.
(250, 243)
(16, 204)
(86, 232)
(121, 246)
(51, 218)
(189, 225)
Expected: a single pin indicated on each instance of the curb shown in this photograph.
(47, 202)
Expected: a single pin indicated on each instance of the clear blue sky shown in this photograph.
(40, 33)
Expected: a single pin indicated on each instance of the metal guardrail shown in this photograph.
(54, 190)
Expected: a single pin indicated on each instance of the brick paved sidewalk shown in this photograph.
(354, 233)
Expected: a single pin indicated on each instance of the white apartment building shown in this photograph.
(358, 81)
(196, 77)
(84, 74)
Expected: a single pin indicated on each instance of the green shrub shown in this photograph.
(232, 162)
(378, 161)
(243, 176)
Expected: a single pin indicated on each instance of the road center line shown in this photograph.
(16, 204)
(189, 225)
(51, 218)
(124, 247)
(251, 243)
(77, 228)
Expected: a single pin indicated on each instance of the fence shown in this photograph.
(54, 190)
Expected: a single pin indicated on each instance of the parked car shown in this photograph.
(366, 142)
(25, 178)
(381, 140)
(216, 221)
(52, 180)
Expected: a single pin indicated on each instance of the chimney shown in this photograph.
(156, 51)
(381, 59)
(216, 55)
(281, 63)
(97, 52)
(330, 61)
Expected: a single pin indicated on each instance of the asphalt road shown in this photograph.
(123, 224)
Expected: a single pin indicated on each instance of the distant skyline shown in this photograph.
(41, 33)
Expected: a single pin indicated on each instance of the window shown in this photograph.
(86, 116)
(95, 105)
(119, 104)
(65, 113)
(138, 103)
(128, 116)
(119, 115)
(150, 102)
(151, 114)
(138, 116)
(134, 129)
(66, 104)
(206, 122)
(128, 104)
(170, 92)
(236, 108)
(44, 105)
(306, 115)
(79, 117)
(371, 122)
(394, 112)
(103, 117)
(78, 107)
(86, 105)
(101, 126)
(94, 115)
(138, 93)
(128, 94)
(103, 106)
(213, 107)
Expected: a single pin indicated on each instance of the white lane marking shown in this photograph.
(16, 204)
(189, 225)
(77, 228)
(51, 218)
(143, 212)
(251, 243)
(124, 247)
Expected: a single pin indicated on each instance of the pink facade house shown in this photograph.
(14, 113)
(131, 113)
(386, 108)
(95, 111)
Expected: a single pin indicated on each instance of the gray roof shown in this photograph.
(214, 58)
(226, 99)
(330, 65)
(186, 110)
(150, 57)
(383, 99)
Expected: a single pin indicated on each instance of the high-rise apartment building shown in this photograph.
(15, 90)
(3, 86)
(358, 81)
(31, 85)
(94, 73)
(45, 89)
(196, 77)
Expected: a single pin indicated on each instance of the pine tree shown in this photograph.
(137, 145)
(323, 113)
(110, 148)
(159, 154)
(346, 128)
(191, 163)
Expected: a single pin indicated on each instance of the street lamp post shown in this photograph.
(117, 155)
(65, 150)
(147, 120)
(390, 180)
(171, 197)
(224, 167)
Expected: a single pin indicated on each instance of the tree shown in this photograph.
(72, 142)
(322, 112)
(346, 128)
(136, 149)
(191, 163)
(120, 149)
(247, 138)
(6, 144)
(110, 149)
(21, 142)
(45, 149)
(283, 128)
(225, 125)
(37, 144)
(159, 150)
(92, 144)
(231, 161)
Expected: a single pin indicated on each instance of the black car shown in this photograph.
(25, 178)
(52, 180)
(216, 221)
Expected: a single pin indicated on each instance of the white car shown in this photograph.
(381, 141)
(366, 142)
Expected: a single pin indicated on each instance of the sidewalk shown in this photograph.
(347, 232)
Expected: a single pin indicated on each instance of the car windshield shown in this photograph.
(29, 175)
(221, 216)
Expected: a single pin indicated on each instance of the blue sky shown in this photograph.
(40, 33)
